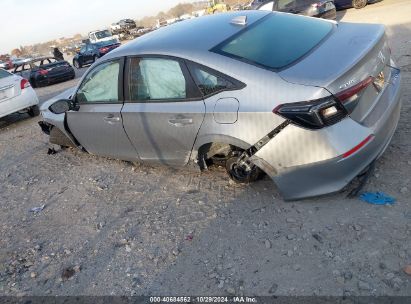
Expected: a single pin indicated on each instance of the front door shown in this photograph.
(98, 125)
(89, 54)
(163, 111)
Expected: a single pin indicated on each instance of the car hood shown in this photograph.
(64, 95)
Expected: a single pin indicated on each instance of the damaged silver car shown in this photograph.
(311, 103)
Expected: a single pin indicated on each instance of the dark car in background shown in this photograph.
(313, 8)
(342, 4)
(127, 24)
(45, 71)
(90, 52)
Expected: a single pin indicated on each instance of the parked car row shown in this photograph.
(314, 8)
(326, 9)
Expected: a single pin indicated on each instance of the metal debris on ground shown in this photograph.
(37, 209)
(51, 151)
(377, 198)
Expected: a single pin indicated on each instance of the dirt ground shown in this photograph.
(112, 228)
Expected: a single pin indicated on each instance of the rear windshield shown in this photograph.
(4, 74)
(276, 41)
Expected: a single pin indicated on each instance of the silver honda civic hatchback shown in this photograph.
(309, 102)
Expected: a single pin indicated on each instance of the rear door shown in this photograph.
(163, 110)
(98, 125)
(83, 55)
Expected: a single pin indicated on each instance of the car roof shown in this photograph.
(189, 38)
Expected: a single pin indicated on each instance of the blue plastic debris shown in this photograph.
(37, 209)
(377, 198)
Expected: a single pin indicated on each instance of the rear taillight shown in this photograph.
(104, 50)
(314, 114)
(43, 72)
(351, 96)
(352, 93)
(24, 83)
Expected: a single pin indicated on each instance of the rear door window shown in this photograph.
(210, 82)
(276, 41)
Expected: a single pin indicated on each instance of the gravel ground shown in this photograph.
(112, 228)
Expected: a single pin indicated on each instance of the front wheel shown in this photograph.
(240, 173)
(34, 111)
(359, 3)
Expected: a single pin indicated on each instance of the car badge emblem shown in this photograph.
(347, 84)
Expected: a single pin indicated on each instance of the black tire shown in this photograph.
(357, 4)
(77, 64)
(34, 111)
(239, 175)
(33, 83)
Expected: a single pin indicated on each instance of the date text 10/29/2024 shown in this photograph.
(206, 299)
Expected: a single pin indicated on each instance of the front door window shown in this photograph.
(101, 84)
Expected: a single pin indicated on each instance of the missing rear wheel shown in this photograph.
(241, 173)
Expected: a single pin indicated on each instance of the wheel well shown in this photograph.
(209, 150)
(59, 138)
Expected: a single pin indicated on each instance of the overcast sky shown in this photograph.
(26, 22)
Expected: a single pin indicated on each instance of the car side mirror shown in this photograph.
(62, 106)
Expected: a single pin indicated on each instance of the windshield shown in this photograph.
(103, 34)
(275, 41)
(4, 74)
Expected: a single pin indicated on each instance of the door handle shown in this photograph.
(110, 118)
(180, 122)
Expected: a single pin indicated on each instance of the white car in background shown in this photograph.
(16, 95)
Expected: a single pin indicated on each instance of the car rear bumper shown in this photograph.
(313, 163)
(25, 100)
